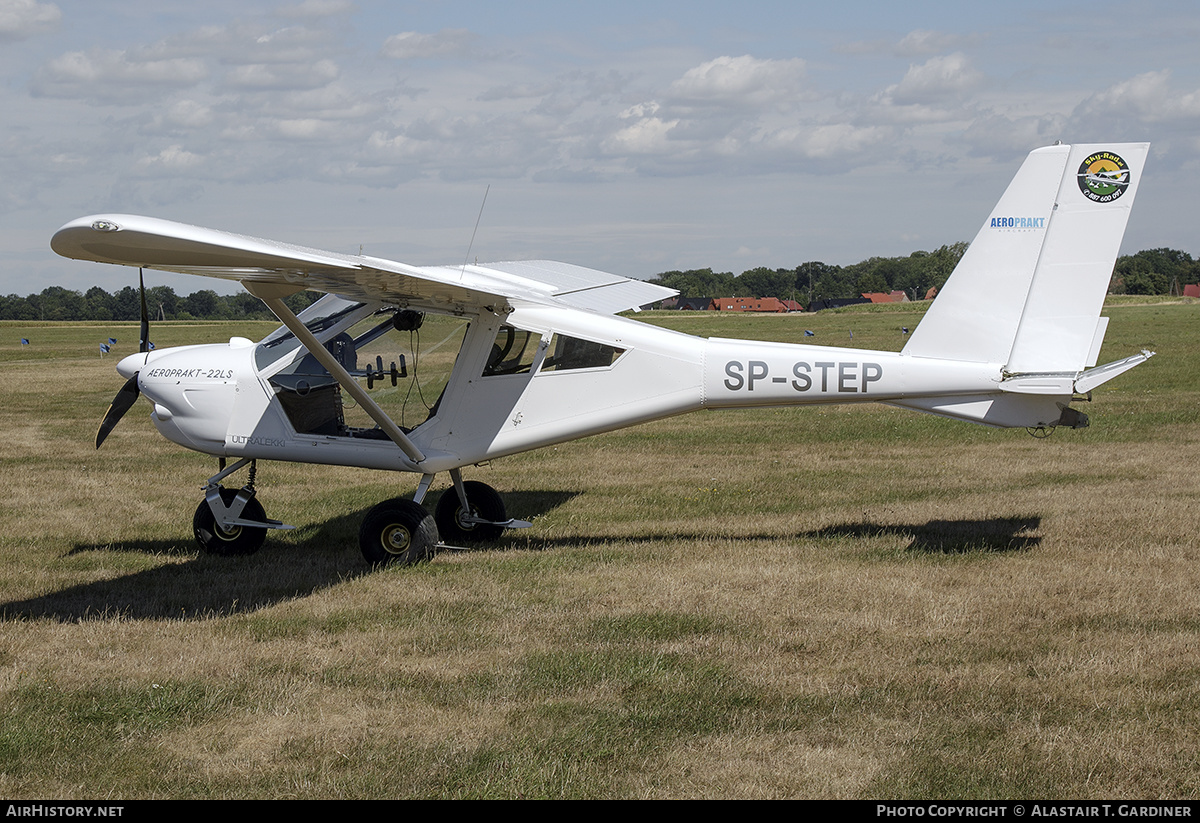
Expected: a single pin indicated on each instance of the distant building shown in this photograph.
(886, 297)
(1191, 290)
(762, 304)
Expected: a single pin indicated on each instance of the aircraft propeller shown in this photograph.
(128, 394)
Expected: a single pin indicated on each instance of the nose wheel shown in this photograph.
(233, 540)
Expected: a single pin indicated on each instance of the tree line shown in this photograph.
(1154, 271)
(162, 303)
(915, 275)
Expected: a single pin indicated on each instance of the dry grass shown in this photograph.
(851, 602)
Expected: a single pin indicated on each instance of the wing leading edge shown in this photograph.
(152, 243)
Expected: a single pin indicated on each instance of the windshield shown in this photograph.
(321, 318)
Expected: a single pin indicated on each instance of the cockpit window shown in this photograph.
(569, 353)
(515, 351)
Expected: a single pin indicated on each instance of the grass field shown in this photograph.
(824, 602)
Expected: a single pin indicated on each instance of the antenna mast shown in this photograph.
(472, 243)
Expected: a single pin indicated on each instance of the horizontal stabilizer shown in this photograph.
(1092, 378)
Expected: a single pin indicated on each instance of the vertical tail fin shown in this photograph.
(1028, 292)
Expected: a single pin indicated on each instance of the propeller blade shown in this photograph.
(124, 400)
(144, 343)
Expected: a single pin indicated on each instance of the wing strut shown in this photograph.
(273, 295)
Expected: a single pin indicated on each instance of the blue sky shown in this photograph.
(630, 137)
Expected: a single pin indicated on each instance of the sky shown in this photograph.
(632, 137)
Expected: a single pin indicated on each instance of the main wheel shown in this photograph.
(486, 504)
(398, 531)
(238, 540)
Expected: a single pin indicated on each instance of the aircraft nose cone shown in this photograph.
(130, 365)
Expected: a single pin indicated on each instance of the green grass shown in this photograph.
(818, 602)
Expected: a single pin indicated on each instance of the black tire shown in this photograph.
(398, 531)
(239, 540)
(487, 504)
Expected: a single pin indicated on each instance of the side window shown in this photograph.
(572, 353)
(513, 352)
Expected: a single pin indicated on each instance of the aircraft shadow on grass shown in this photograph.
(935, 537)
(206, 586)
(995, 534)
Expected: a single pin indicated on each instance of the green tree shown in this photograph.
(816, 279)
(57, 303)
(99, 304)
(698, 282)
(764, 282)
(201, 304)
(1137, 275)
(162, 303)
(13, 307)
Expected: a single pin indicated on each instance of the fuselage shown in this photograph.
(231, 399)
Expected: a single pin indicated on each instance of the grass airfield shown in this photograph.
(840, 602)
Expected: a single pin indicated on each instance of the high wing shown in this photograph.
(152, 243)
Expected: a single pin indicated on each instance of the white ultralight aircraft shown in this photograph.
(532, 353)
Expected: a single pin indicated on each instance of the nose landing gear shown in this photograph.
(229, 523)
(228, 540)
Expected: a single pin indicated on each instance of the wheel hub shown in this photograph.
(465, 518)
(396, 539)
(227, 536)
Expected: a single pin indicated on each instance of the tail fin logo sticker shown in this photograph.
(1103, 177)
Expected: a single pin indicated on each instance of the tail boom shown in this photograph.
(1009, 339)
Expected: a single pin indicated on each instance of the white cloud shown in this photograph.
(936, 79)
(306, 128)
(1147, 96)
(999, 136)
(410, 45)
(649, 135)
(294, 44)
(106, 75)
(830, 141)
(283, 76)
(189, 114)
(740, 81)
(22, 19)
(170, 160)
(923, 42)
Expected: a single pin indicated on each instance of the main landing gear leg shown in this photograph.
(401, 531)
(472, 513)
